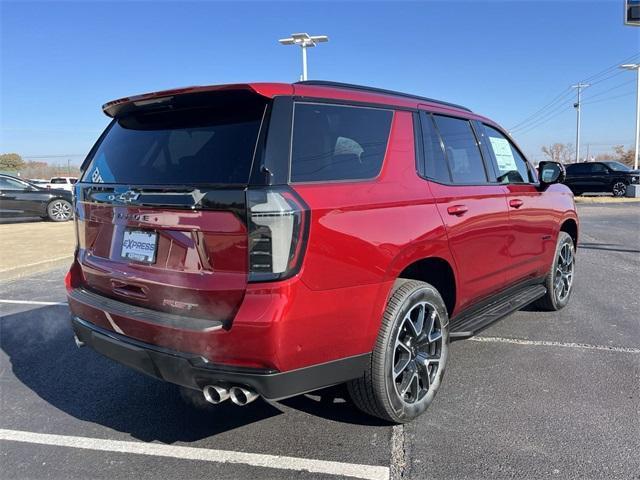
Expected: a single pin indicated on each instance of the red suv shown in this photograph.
(271, 239)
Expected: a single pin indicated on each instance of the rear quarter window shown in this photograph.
(338, 142)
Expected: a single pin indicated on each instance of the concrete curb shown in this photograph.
(588, 200)
(37, 267)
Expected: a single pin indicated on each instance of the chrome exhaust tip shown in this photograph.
(215, 394)
(79, 343)
(242, 396)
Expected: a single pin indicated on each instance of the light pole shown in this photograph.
(636, 67)
(579, 86)
(304, 40)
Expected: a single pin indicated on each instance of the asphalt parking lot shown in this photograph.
(537, 395)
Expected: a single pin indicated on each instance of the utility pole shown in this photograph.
(636, 67)
(304, 41)
(580, 87)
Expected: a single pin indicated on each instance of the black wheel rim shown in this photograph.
(563, 279)
(417, 353)
(619, 189)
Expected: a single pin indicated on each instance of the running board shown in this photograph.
(468, 324)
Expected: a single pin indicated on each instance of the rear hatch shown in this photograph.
(161, 207)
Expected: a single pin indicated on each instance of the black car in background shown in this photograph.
(23, 199)
(600, 177)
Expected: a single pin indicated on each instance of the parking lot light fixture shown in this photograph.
(304, 41)
(636, 67)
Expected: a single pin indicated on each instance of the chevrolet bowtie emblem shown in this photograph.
(128, 196)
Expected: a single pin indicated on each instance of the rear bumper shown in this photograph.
(194, 371)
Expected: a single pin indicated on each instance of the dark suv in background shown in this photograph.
(600, 177)
(20, 199)
(272, 239)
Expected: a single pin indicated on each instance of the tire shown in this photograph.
(415, 333)
(559, 280)
(59, 210)
(619, 189)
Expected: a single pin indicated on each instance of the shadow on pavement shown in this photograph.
(607, 247)
(91, 388)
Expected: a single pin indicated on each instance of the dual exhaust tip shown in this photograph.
(239, 395)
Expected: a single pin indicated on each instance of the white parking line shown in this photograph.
(546, 343)
(31, 302)
(367, 472)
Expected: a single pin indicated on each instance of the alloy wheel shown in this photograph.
(564, 272)
(417, 352)
(60, 210)
(619, 189)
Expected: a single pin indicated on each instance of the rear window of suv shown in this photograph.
(206, 145)
(338, 142)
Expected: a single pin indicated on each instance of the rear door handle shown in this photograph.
(516, 203)
(457, 210)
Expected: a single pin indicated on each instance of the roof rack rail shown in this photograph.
(327, 83)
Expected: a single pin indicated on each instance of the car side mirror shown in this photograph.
(551, 172)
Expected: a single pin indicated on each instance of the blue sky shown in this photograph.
(60, 61)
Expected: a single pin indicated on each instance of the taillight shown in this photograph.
(74, 277)
(278, 222)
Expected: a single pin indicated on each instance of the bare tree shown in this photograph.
(559, 152)
(624, 156)
(605, 157)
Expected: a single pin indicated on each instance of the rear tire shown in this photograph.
(409, 357)
(59, 210)
(559, 280)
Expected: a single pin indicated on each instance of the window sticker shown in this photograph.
(101, 172)
(504, 154)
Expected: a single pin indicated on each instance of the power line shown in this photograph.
(589, 97)
(606, 99)
(555, 100)
(564, 94)
(57, 155)
(609, 69)
(558, 111)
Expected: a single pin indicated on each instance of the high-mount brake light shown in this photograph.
(278, 221)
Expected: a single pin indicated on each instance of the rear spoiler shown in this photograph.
(188, 95)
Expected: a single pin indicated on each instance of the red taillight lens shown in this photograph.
(67, 280)
(278, 222)
(74, 277)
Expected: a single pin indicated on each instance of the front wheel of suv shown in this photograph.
(619, 189)
(409, 357)
(559, 280)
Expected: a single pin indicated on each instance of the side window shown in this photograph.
(598, 169)
(435, 162)
(461, 149)
(577, 169)
(336, 142)
(512, 168)
(10, 184)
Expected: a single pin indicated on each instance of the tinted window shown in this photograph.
(11, 184)
(184, 146)
(332, 142)
(598, 168)
(577, 169)
(58, 180)
(435, 162)
(461, 148)
(618, 167)
(512, 168)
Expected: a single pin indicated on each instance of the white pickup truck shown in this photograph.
(61, 183)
